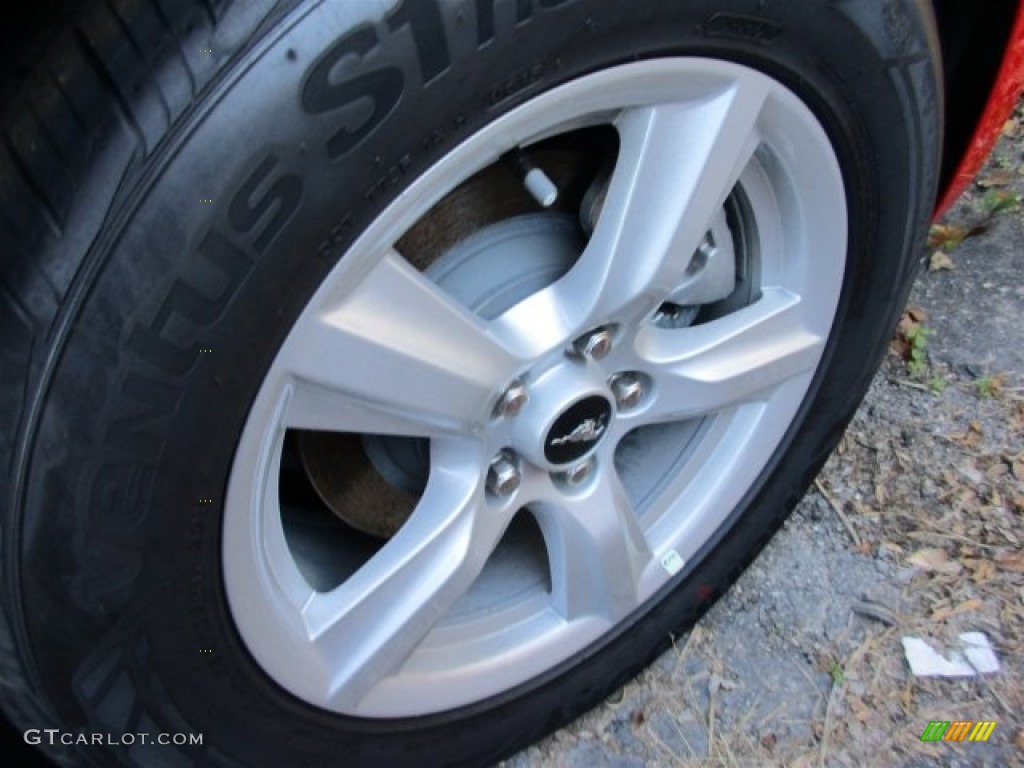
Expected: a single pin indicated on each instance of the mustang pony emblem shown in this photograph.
(586, 432)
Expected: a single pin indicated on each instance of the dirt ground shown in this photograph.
(914, 528)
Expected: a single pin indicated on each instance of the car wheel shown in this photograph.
(400, 395)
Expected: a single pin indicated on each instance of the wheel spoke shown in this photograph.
(394, 355)
(677, 164)
(596, 548)
(736, 359)
(369, 625)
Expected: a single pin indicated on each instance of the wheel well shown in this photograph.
(973, 37)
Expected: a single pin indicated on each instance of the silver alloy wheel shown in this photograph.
(441, 615)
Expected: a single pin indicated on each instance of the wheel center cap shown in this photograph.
(577, 430)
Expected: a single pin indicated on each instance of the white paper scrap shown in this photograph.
(925, 661)
(979, 652)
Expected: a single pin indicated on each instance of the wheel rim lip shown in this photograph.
(261, 578)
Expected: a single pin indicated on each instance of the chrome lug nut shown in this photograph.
(702, 255)
(595, 345)
(577, 474)
(512, 400)
(503, 476)
(628, 389)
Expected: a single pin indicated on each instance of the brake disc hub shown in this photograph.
(487, 272)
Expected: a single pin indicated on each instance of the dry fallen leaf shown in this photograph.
(969, 439)
(947, 236)
(907, 697)
(860, 710)
(940, 261)
(984, 570)
(996, 179)
(996, 471)
(965, 607)
(1010, 561)
(934, 559)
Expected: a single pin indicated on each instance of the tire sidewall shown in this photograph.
(312, 135)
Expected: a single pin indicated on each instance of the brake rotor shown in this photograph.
(348, 483)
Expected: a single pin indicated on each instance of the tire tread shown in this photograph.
(113, 80)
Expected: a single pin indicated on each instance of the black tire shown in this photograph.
(116, 275)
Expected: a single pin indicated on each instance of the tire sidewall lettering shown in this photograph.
(381, 87)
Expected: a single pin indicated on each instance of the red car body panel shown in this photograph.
(1007, 89)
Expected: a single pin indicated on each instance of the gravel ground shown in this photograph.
(913, 528)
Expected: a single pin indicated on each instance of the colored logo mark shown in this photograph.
(958, 730)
